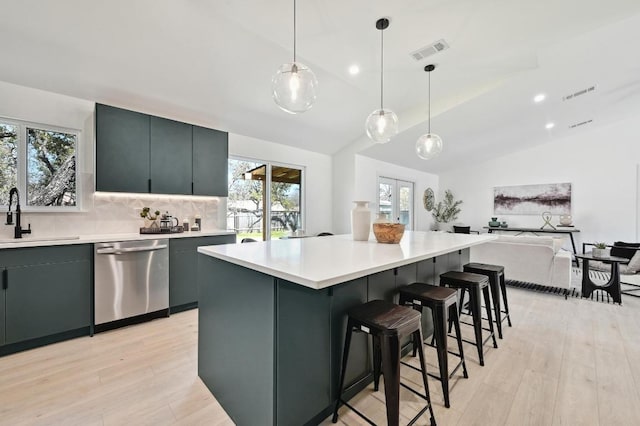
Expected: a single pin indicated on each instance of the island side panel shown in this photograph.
(303, 357)
(236, 335)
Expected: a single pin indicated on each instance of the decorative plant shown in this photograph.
(600, 245)
(145, 213)
(447, 209)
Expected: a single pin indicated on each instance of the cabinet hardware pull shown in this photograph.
(5, 279)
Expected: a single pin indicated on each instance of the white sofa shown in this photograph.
(532, 259)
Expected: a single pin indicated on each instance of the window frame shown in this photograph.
(22, 164)
(267, 208)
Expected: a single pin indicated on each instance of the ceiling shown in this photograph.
(211, 62)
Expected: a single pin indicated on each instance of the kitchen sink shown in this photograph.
(27, 239)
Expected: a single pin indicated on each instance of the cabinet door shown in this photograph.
(210, 162)
(183, 265)
(46, 299)
(170, 157)
(122, 150)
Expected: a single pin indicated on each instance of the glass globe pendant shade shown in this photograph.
(294, 87)
(382, 125)
(428, 146)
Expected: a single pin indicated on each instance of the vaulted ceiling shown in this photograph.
(211, 62)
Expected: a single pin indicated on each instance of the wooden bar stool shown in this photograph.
(387, 323)
(474, 284)
(444, 308)
(495, 273)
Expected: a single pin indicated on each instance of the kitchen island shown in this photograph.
(272, 316)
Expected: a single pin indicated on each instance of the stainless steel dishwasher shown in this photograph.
(131, 282)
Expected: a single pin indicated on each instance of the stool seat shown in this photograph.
(464, 279)
(384, 317)
(429, 293)
(484, 267)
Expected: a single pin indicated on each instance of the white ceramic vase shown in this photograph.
(361, 221)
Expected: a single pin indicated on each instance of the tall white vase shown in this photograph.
(361, 221)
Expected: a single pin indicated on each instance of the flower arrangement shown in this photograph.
(447, 209)
(145, 213)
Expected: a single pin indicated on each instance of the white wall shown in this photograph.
(600, 163)
(317, 176)
(367, 171)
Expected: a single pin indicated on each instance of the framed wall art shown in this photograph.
(554, 198)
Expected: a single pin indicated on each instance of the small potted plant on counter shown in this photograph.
(149, 220)
(600, 250)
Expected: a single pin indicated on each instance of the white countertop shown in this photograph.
(320, 262)
(29, 241)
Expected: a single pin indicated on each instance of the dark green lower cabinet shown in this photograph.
(183, 262)
(47, 299)
(46, 295)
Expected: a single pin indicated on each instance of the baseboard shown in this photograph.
(43, 341)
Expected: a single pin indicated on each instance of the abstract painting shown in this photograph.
(532, 199)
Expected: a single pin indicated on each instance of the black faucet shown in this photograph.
(18, 229)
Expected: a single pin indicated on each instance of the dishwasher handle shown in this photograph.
(111, 250)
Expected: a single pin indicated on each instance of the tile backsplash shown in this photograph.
(109, 213)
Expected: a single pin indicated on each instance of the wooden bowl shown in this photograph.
(388, 233)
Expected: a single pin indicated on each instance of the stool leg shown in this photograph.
(413, 337)
(487, 302)
(425, 383)
(345, 355)
(391, 371)
(456, 323)
(377, 361)
(503, 288)
(495, 297)
(440, 332)
(476, 312)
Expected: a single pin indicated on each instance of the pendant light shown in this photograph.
(429, 145)
(382, 124)
(294, 84)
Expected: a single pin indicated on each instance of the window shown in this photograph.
(395, 200)
(41, 162)
(251, 184)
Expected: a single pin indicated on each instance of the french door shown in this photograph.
(395, 200)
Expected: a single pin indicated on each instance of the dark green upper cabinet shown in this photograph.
(141, 153)
(170, 157)
(210, 148)
(122, 150)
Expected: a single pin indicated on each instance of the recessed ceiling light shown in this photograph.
(549, 126)
(354, 70)
(539, 98)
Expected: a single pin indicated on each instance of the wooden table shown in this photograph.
(612, 287)
(569, 230)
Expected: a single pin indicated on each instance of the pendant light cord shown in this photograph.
(381, 69)
(294, 31)
(429, 103)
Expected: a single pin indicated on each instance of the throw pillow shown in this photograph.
(619, 249)
(634, 264)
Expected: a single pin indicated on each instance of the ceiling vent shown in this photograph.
(427, 51)
(579, 93)
(582, 123)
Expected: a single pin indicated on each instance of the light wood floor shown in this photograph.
(565, 362)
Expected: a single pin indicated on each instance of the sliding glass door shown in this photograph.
(395, 200)
(265, 199)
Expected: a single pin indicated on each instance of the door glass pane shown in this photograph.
(245, 203)
(8, 160)
(286, 194)
(405, 206)
(385, 199)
